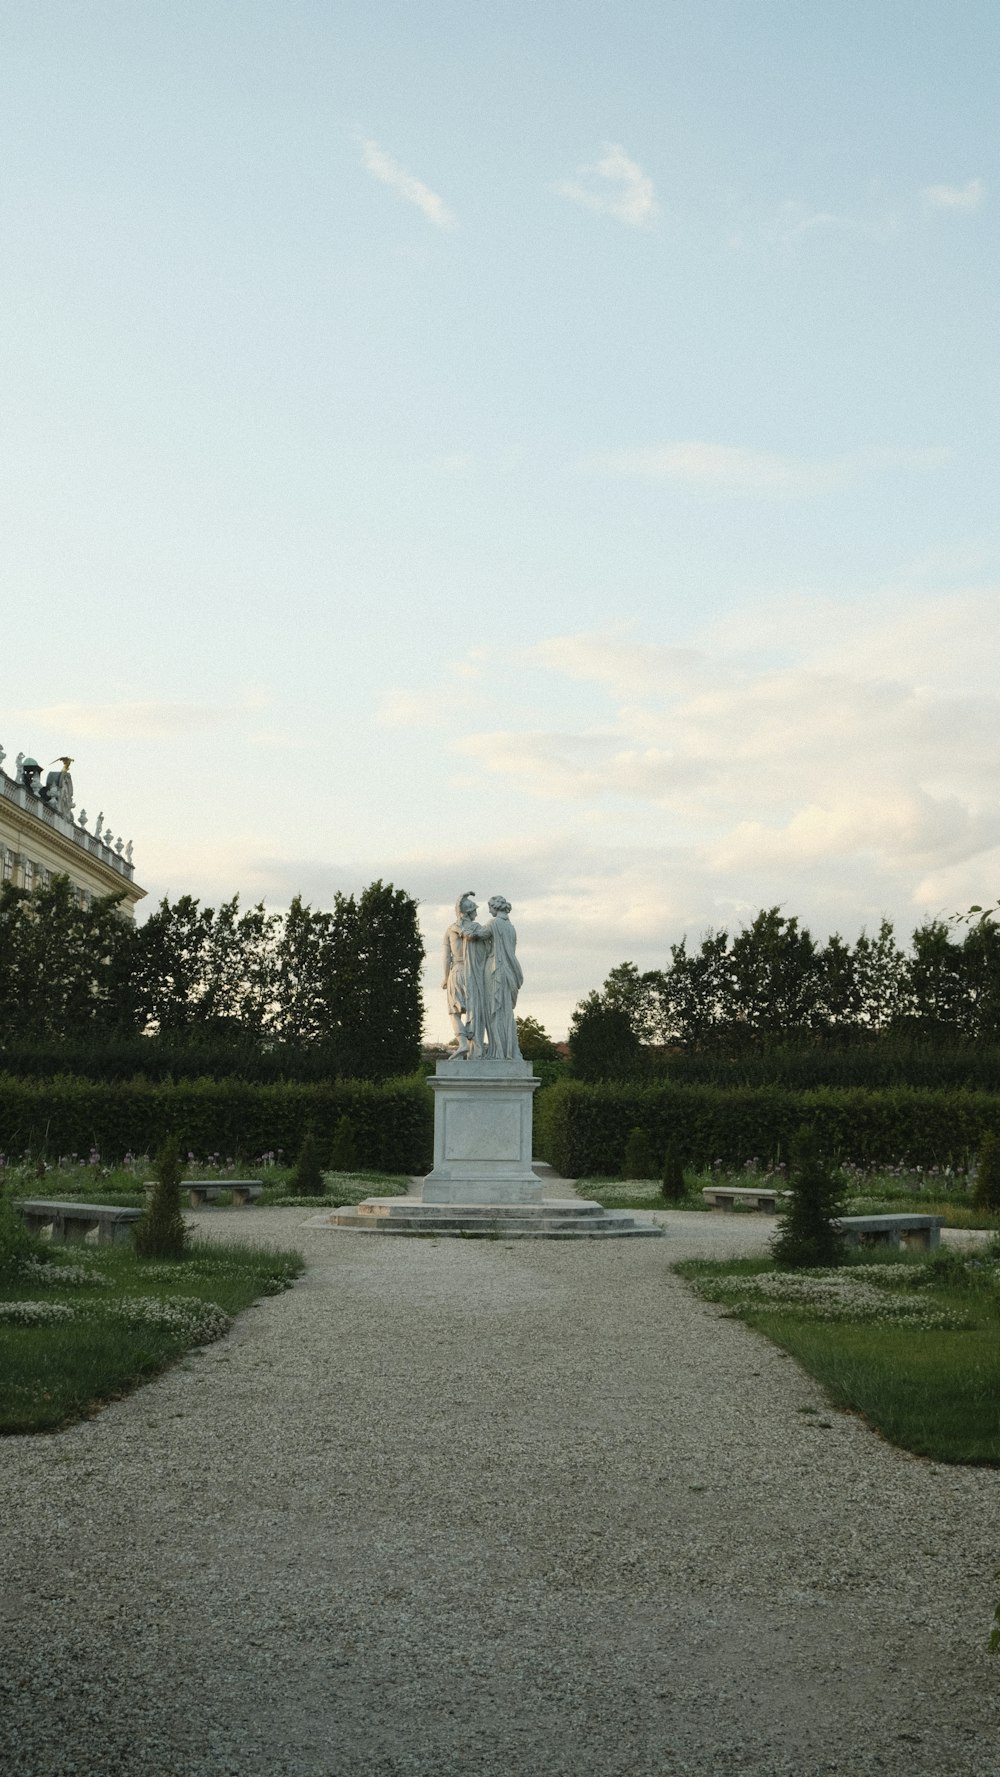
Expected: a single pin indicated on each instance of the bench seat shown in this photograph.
(202, 1191)
(891, 1230)
(110, 1222)
(762, 1197)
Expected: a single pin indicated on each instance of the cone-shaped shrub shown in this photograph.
(161, 1234)
(638, 1160)
(307, 1179)
(806, 1235)
(16, 1242)
(674, 1186)
(986, 1191)
(344, 1153)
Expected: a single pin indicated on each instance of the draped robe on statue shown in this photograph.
(504, 978)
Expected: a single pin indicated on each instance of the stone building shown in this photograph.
(41, 837)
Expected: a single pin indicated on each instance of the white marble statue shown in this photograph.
(465, 976)
(504, 981)
(482, 978)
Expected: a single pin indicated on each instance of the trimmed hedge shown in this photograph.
(393, 1123)
(582, 1129)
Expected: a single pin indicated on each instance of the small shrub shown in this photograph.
(161, 1234)
(17, 1243)
(806, 1235)
(344, 1153)
(637, 1160)
(307, 1178)
(986, 1191)
(674, 1185)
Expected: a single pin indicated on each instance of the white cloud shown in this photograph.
(955, 197)
(611, 660)
(736, 469)
(412, 190)
(625, 191)
(413, 709)
(139, 720)
(838, 757)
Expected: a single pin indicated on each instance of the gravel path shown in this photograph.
(461, 1508)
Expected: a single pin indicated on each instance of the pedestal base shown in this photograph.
(482, 1133)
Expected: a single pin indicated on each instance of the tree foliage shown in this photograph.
(806, 1233)
(63, 967)
(307, 1178)
(986, 1192)
(534, 1041)
(772, 983)
(213, 980)
(602, 1043)
(162, 1234)
(674, 1186)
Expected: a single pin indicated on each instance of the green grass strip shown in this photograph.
(931, 1389)
(128, 1320)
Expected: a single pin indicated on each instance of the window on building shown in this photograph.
(8, 865)
(28, 870)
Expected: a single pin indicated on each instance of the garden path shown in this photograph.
(457, 1508)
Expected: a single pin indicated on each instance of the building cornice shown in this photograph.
(30, 817)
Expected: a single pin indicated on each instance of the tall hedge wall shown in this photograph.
(238, 1118)
(582, 1129)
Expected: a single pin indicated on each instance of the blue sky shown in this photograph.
(546, 448)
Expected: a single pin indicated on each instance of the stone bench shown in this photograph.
(75, 1221)
(726, 1197)
(891, 1230)
(202, 1191)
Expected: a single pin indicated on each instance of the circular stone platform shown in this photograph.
(555, 1218)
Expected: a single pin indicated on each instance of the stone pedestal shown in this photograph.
(482, 1133)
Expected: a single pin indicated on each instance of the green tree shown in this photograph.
(639, 997)
(838, 1002)
(806, 1234)
(935, 984)
(602, 1043)
(638, 1161)
(981, 973)
(697, 994)
(161, 1233)
(344, 1153)
(375, 988)
(304, 975)
(62, 963)
(307, 1179)
(776, 978)
(674, 1186)
(201, 973)
(534, 1041)
(986, 1191)
(880, 979)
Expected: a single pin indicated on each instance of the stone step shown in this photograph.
(553, 1221)
(569, 1209)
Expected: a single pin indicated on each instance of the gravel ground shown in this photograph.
(459, 1508)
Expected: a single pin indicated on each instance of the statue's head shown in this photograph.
(499, 904)
(465, 906)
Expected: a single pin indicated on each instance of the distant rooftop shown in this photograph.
(52, 803)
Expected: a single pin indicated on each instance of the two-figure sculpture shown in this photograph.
(482, 978)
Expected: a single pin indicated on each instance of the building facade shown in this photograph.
(41, 837)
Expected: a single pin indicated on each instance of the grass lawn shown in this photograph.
(640, 1193)
(124, 1184)
(913, 1345)
(83, 1325)
(891, 1190)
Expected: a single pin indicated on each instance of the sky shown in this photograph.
(550, 450)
